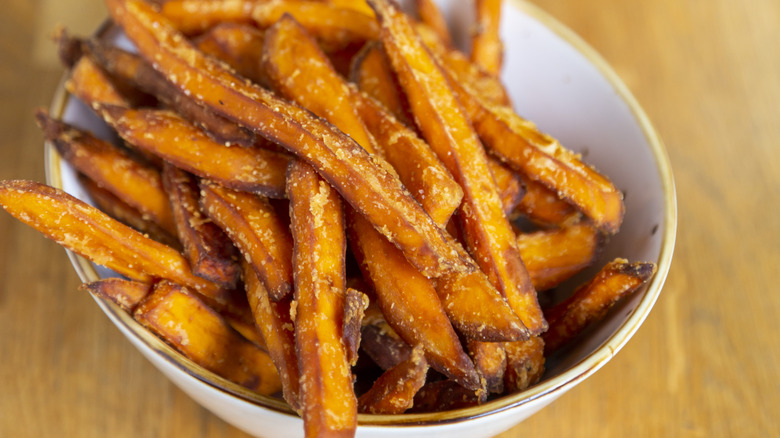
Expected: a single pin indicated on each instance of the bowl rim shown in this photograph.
(551, 387)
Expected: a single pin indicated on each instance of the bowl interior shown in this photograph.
(558, 82)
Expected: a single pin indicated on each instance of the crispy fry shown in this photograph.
(257, 232)
(458, 65)
(118, 209)
(274, 323)
(524, 363)
(591, 301)
(443, 395)
(417, 166)
(198, 332)
(301, 72)
(432, 16)
(368, 187)
(409, 302)
(89, 83)
(553, 256)
(328, 401)
(486, 46)
(489, 237)
(69, 49)
(91, 233)
(239, 45)
(125, 293)
(490, 360)
(137, 184)
(339, 26)
(519, 144)
(165, 134)
(393, 392)
(380, 341)
(208, 249)
(358, 5)
(543, 206)
(510, 186)
(372, 73)
(355, 304)
(134, 70)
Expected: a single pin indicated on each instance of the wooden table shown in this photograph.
(704, 364)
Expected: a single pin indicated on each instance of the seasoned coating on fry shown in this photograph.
(165, 134)
(201, 334)
(524, 363)
(208, 249)
(118, 209)
(136, 183)
(276, 326)
(328, 402)
(368, 187)
(132, 69)
(89, 83)
(393, 392)
(510, 185)
(591, 301)
(91, 233)
(124, 293)
(490, 360)
(253, 226)
(409, 302)
(486, 46)
(238, 45)
(487, 232)
(555, 255)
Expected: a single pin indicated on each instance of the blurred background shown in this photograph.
(704, 364)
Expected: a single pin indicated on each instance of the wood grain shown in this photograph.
(704, 364)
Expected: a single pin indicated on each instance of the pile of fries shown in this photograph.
(308, 195)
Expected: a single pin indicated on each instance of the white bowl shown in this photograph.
(560, 83)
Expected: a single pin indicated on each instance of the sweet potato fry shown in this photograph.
(543, 206)
(118, 209)
(358, 5)
(519, 144)
(555, 255)
(167, 135)
(488, 235)
(208, 249)
(91, 233)
(372, 73)
(125, 293)
(380, 342)
(201, 334)
(443, 395)
(328, 401)
(355, 304)
(490, 360)
(486, 46)
(339, 26)
(458, 65)
(393, 392)
(137, 184)
(524, 363)
(409, 302)
(239, 45)
(134, 70)
(274, 323)
(257, 232)
(89, 83)
(69, 49)
(366, 185)
(510, 186)
(431, 15)
(300, 72)
(591, 301)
